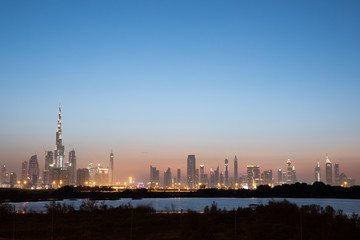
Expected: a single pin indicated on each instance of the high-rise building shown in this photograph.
(226, 170)
(236, 178)
(317, 173)
(49, 160)
(217, 176)
(293, 175)
(280, 176)
(34, 170)
(267, 177)
(111, 169)
(49, 164)
(102, 176)
(82, 177)
(289, 171)
(72, 167)
(24, 171)
(154, 177)
(4, 175)
(328, 171)
(337, 174)
(167, 178)
(253, 174)
(221, 179)
(191, 163)
(13, 179)
(178, 176)
(212, 178)
(92, 172)
(59, 152)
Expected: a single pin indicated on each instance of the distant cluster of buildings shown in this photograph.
(60, 172)
(338, 179)
(197, 178)
(57, 170)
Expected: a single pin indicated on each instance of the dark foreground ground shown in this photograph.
(277, 220)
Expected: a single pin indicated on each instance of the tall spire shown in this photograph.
(59, 132)
(59, 148)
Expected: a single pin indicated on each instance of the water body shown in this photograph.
(348, 206)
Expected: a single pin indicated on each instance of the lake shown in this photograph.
(197, 204)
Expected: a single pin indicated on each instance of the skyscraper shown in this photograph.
(59, 148)
(3, 175)
(267, 177)
(49, 159)
(24, 171)
(72, 167)
(226, 170)
(191, 163)
(202, 172)
(337, 174)
(236, 170)
(111, 169)
(253, 174)
(167, 178)
(179, 176)
(317, 173)
(280, 176)
(34, 170)
(328, 171)
(82, 177)
(288, 171)
(154, 177)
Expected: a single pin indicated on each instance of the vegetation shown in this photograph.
(95, 220)
(297, 190)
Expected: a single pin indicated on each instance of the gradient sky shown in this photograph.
(157, 80)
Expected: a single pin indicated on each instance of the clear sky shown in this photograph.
(157, 80)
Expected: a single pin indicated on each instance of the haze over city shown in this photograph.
(155, 83)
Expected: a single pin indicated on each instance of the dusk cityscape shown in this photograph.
(179, 119)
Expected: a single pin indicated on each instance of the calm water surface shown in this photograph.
(197, 204)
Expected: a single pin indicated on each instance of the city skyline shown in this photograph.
(261, 82)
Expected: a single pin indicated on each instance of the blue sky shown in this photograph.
(264, 80)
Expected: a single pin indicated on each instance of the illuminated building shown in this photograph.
(253, 175)
(154, 177)
(212, 178)
(178, 176)
(72, 167)
(59, 152)
(280, 176)
(317, 173)
(266, 177)
(111, 169)
(336, 174)
(102, 176)
(13, 179)
(4, 175)
(191, 163)
(82, 177)
(34, 169)
(49, 163)
(289, 172)
(221, 179)
(64, 177)
(92, 172)
(167, 178)
(236, 178)
(24, 171)
(226, 170)
(328, 171)
(217, 176)
(293, 175)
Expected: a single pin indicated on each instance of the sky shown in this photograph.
(155, 81)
